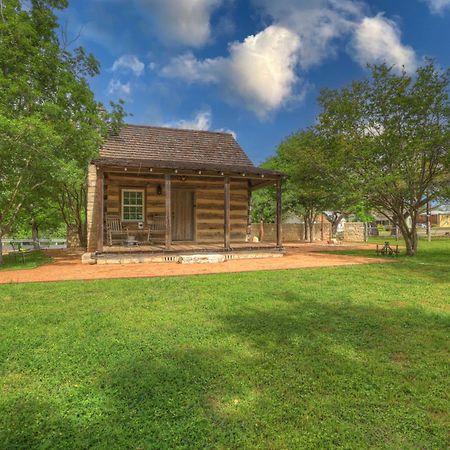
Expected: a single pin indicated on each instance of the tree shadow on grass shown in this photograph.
(363, 375)
(302, 374)
(30, 422)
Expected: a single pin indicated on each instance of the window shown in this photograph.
(132, 205)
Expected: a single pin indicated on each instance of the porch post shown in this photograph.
(279, 231)
(100, 207)
(168, 185)
(226, 213)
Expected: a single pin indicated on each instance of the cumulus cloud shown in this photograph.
(192, 70)
(129, 63)
(116, 87)
(202, 121)
(377, 40)
(317, 23)
(322, 24)
(267, 70)
(184, 22)
(259, 71)
(438, 6)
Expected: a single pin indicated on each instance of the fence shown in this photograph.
(29, 243)
(291, 232)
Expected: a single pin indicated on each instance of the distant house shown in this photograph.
(438, 217)
(156, 189)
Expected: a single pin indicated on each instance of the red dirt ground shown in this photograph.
(67, 265)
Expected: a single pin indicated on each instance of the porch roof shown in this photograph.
(170, 148)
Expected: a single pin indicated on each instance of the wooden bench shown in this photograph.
(387, 250)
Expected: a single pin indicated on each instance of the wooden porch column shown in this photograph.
(100, 208)
(168, 189)
(279, 231)
(226, 213)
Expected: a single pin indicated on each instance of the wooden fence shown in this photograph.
(29, 243)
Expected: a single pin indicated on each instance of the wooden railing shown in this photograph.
(34, 244)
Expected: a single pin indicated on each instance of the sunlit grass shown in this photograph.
(351, 357)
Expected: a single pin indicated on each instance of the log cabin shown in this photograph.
(169, 191)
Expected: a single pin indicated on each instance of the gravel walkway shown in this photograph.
(67, 265)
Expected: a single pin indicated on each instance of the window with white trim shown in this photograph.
(133, 205)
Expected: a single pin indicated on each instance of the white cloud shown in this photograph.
(129, 63)
(184, 22)
(438, 6)
(377, 40)
(116, 87)
(321, 24)
(259, 71)
(317, 23)
(190, 69)
(267, 70)
(202, 121)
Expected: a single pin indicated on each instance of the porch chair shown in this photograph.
(156, 228)
(115, 228)
(18, 250)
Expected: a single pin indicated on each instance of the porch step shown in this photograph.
(202, 258)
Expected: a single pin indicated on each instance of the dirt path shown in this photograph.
(67, 265)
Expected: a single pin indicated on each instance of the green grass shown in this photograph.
(351, 357)
(434, 253)
(31, 260)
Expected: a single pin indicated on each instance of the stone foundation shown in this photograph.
(130, 258)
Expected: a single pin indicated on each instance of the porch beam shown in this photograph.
(145, 172)
(226, 213)
(279, 210)
(100, 208)
(168, 193)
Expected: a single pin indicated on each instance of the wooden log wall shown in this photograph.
(209, 201)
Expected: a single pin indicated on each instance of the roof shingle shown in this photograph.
(136, 142)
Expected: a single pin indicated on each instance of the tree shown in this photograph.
(317, 179)
(394, 130)
(50, 125)
(264, 200)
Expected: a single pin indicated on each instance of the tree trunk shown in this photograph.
(82, 234)
(335, 223)
(409, 234)
(1, 250)
(35, 234)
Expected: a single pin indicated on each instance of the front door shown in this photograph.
(182, 215)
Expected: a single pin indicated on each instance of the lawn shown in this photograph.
(30, 261)
(351, 357)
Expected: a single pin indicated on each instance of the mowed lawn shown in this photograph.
(351, 357)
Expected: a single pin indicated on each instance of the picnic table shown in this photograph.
(387, 250)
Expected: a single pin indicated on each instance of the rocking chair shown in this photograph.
(115, 228)
(156, 228)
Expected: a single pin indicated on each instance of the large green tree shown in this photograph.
(50, 124)
(317, 181)
(394, 132)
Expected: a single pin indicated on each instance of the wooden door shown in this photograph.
(183, 222)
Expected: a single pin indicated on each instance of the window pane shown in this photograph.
(133, 205)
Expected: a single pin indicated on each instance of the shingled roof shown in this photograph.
(147, 146)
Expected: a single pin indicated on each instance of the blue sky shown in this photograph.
(253, 67)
